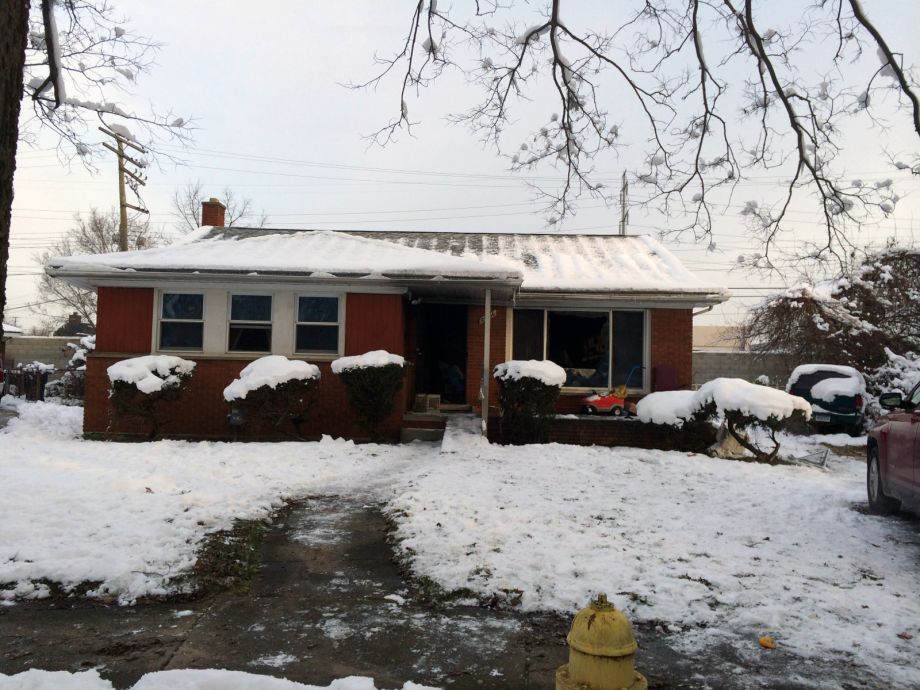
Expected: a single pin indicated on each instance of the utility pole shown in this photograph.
(135, 180)
(624, 207)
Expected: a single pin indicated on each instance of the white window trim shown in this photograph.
(646, 344)
(340, 323)
(230, 323)
(158, 320)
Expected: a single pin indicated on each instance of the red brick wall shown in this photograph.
(672, 343)
(374, 322)
(124, 320)
(475, 330)
(203, 411)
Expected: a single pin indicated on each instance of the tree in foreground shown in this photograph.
(709, 92)
(145, 388)
(527, 395)
(65, 65)
(372, 381)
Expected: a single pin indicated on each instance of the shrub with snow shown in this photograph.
(899, 373)
(72, 385)
(740, 403)
(275, 391)
(527, 394)
(143, 387)
(372, 381)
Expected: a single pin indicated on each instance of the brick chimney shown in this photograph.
(212, 213)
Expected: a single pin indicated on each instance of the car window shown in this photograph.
(806, 382)
(915, 396)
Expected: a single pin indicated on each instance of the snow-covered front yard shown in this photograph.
(713, 550)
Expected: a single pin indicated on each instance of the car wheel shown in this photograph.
(878, 502)
(617, 411)
(589, 409)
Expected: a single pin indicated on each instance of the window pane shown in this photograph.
(528, 334)
(180, 335)
(318, 309)
(179, 306)
(251, 308)
(317, 338)
(250, 338)
(578, 342)
(628, 347)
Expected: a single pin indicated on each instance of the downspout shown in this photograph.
(486, 338)
(703, 310)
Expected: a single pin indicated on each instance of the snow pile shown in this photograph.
(762, 402)
(150, 373)
(667, 407)
(269, 371)
(183, 679)
(132, 516)
(544, 371)
(369, 360)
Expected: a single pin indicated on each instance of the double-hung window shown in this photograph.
(317, 324)
(181, 321)
(250, 323)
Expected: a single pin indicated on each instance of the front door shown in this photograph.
(441, 357)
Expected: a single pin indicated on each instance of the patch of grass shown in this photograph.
(228, 559)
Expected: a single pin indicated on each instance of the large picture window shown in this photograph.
(317, 324)
(181, 321)
(597, 349)
(250, 323)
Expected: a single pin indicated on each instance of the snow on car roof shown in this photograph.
(805, 369)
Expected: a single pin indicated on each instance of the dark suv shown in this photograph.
(893, 454)
(836, 394)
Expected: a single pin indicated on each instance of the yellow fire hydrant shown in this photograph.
(602, 650)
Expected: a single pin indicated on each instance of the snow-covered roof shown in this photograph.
(539, 263)
(321, 253)
(9, 329)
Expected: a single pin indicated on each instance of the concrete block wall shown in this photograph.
(743, 365)
(46, 349)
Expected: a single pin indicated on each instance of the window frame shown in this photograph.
(339, 323)
(610, 311)
(161, 293)
(231, 323)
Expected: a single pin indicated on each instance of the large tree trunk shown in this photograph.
(14, 18)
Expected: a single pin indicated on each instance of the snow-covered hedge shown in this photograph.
(269, 371)
(544, 371)
(372, 381)
(81, 351)
(740, 403)
(274, 391)
(151, 373)
(369, 360)
(142, 387)
(527, 394)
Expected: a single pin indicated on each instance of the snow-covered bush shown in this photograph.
(71, 387)
(899, 373)
(143, 388)
(740, 403)
(275, 391)
(527, 394)
(372, 381)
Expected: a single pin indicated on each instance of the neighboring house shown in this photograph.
(598, 305)
(74, 326)
(8, 331)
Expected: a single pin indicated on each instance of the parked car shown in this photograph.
(836, 393)
(893, 454)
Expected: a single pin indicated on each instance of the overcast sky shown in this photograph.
(263, 82)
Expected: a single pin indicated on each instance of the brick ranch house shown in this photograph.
(600, 306)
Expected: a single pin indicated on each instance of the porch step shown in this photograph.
(452, 407)
(409, 434)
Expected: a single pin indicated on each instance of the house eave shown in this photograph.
(632, 298)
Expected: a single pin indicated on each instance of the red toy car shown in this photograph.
(609, 402)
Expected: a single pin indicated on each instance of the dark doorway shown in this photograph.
(442, 352)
